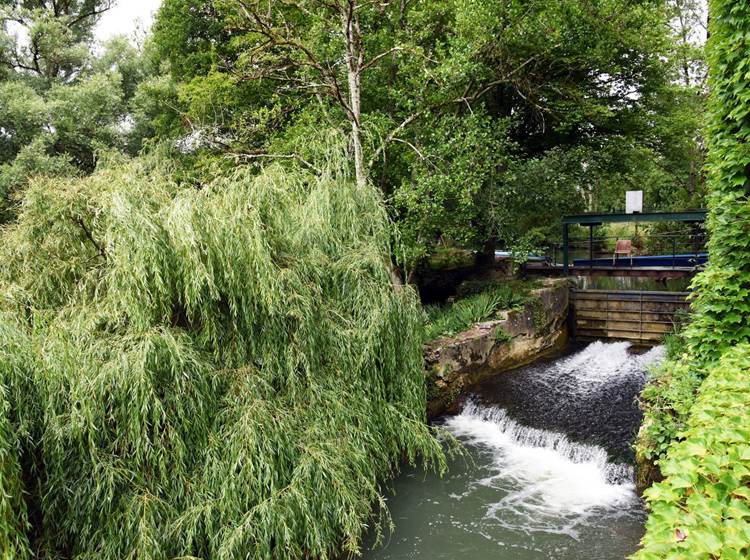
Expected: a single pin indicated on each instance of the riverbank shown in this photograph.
(516, 338)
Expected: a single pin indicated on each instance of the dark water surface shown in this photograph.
(633, 283)
(549, 472)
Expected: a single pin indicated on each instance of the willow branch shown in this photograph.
(90, 237)
(276, 156)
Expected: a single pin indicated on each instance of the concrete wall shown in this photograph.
(521, 336)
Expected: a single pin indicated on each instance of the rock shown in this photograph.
(454, 365)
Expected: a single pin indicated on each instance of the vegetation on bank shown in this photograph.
(484, 305)
(702, 445)
(702, 509)
(721, 308)
(224, 372)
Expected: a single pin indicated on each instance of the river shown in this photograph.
(548, 473)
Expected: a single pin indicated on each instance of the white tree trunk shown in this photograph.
(354, 65)
(354, 62)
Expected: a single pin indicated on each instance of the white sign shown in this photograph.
(634, 202)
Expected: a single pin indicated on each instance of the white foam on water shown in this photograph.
(548, 482)
(596, 366)
(552, 483)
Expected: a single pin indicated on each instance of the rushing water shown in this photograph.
(548, 473)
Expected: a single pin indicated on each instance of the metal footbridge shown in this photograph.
(675, 249)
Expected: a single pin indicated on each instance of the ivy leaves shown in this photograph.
(703, 506)
(702, 509)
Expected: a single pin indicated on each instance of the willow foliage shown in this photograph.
(13, 517)
(217, 372)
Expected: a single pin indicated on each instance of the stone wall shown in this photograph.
(521, 336)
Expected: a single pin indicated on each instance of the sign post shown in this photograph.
(634, 202)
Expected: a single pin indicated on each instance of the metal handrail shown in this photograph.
(661, 244)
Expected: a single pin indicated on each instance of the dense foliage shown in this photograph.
(702, 506)
(479, 120)
(720, 309)
(223, 372)
(723, 303)
(702, 509)
(482, 122)
(61, 101)
(204, 351)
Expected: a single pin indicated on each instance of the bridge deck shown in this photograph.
(546, 269)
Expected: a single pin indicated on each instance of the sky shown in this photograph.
(125, 17)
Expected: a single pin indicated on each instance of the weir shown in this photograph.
(642, 317)
(549, 472)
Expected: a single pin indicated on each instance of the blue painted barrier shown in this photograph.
(679, 261)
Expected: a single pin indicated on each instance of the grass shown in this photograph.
(447, 320)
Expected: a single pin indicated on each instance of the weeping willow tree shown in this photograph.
(215, 372)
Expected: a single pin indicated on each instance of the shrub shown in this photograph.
(668, 398)
(702, 509)
(223, 372)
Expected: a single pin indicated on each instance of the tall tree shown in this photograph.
(60, 102)
(284, 49)
(690, 25)
(49, 39)
(256, 79)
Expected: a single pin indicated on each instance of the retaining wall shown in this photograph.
(518, 338)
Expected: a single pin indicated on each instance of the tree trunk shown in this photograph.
(354, 62)
(485, 259)
(355, 58)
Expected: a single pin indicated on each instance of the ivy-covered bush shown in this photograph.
(721, 308)
(702, 446)
(702, 509)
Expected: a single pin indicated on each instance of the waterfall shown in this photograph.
(549, 482)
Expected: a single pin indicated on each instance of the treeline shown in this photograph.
(481, 122)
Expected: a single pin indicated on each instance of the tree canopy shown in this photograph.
(578, 90)
(222, 373)
(61, 101)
